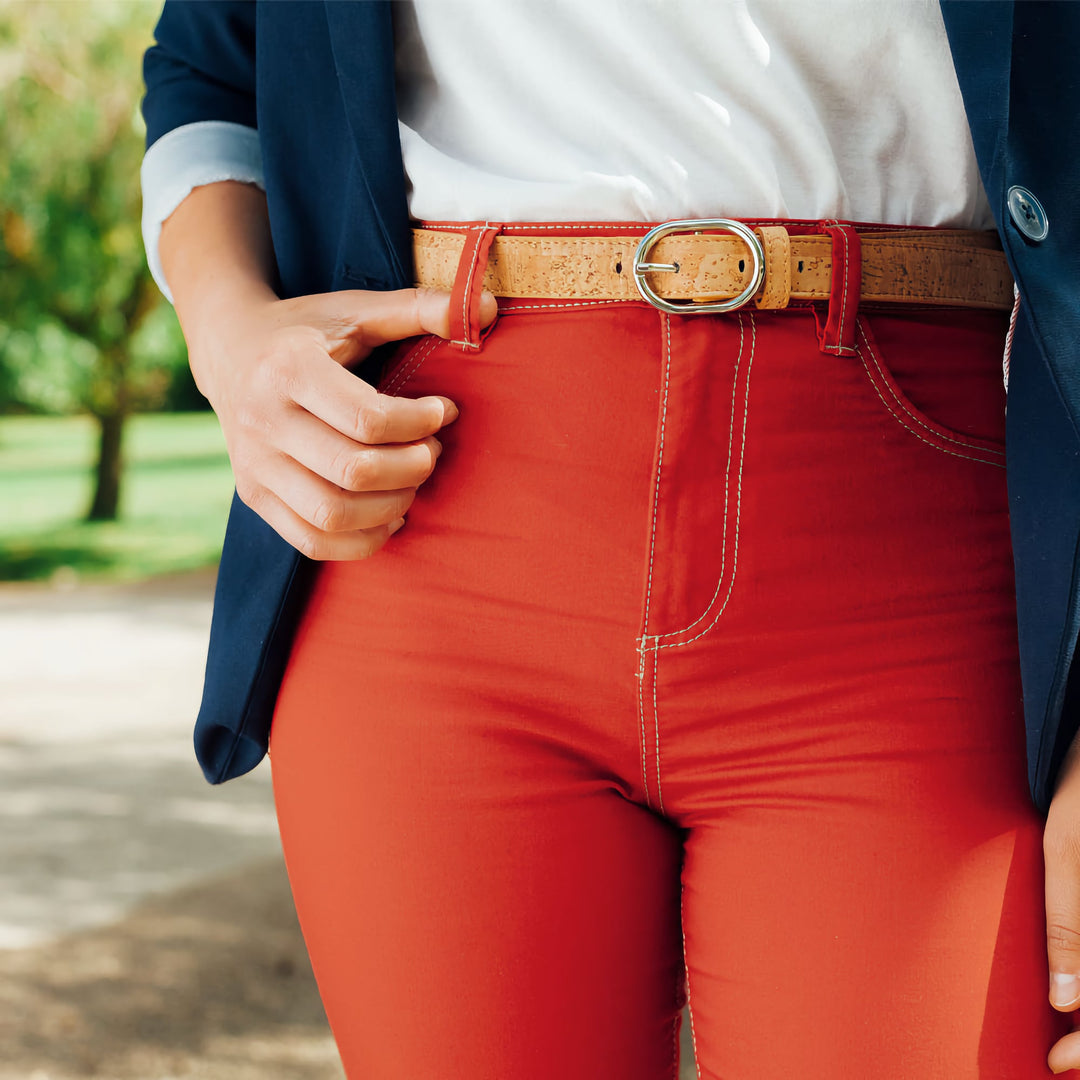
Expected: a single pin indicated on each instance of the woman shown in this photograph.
(701, 635)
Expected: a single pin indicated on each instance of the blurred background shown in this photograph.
(146, 928)
(112, 467)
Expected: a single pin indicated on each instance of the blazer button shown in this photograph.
(1027, 214)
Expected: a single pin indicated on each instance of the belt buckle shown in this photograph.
(690, 307)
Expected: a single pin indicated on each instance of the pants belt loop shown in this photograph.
(776, 292)
(836, 330)
(468, 284)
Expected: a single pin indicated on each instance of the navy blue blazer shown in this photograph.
(317, 79)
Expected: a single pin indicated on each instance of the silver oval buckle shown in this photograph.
(690, 307)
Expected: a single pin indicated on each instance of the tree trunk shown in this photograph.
(105, 505)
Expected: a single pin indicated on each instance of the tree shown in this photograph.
(75, 292)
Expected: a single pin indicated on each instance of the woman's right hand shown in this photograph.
(325, 459)
(331, 464)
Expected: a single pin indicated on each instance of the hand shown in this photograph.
(1061, 845)
(327, 461)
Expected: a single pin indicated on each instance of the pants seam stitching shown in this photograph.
(738, 516)
(643, 646)
(403, 376)
(900, 417)
(686, 970)
(727, 489)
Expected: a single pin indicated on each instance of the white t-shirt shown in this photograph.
(648, 110)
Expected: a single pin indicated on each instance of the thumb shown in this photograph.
(379, 317)
(433, 308)
(1061, 847)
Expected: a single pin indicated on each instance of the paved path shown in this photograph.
(101, 802)
(146, 927)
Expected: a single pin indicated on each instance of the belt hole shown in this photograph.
(618, 267)
(800, 266)
(742, 265)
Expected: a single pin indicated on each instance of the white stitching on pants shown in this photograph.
(479, 230)
(675, 1038)
(656, 728)
(572, 304)
(903, 405)
(841, 350)
(686, 969)
(847, 274)
(641, 718)
(402, 376)
(738, 514)
(642, 643)
(903, 422)
(539, 230)
(727, 489)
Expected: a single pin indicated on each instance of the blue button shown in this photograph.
(1027, 214)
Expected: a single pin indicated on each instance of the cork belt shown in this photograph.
(691, 267)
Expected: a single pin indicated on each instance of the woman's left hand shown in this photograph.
(1061, 846)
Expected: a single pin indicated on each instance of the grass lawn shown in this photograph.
(174, 501)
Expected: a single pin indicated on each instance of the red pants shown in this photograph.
(697, 649)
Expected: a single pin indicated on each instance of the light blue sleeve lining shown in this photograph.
(186, 158)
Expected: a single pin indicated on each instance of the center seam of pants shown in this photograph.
(653, 643)
(676, 1023)
(660, 640)
(643, 641)
(686, 971)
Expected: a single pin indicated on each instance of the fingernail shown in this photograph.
(1064, 989)
(395, 525)
(438, 449)
(450, 411)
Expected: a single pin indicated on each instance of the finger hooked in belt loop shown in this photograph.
(465, 331)
(836, 325)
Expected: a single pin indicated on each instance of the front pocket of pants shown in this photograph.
(939, 379)
(411, 355)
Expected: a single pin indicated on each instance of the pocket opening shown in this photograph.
(964, 386)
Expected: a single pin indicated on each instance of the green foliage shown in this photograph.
(82, 325)
(175, 502)
(74, 286)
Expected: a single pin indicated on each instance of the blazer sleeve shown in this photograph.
(201, 67)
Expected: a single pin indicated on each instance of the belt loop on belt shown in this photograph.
(468, 285)
(836, 333)
(776, 292)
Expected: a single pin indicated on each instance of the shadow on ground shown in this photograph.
(211, 981)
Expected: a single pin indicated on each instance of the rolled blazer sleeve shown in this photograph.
(199, 108)
(186, 158)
